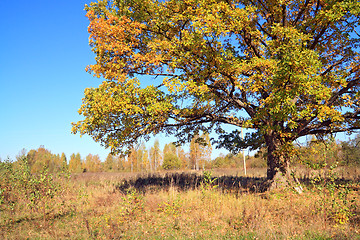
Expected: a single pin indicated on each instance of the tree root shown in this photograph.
(281, 181)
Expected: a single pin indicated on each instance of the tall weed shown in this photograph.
(335, 201)
(22, 190)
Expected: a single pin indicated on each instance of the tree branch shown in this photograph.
(300, 13)
(349, 85)
(317, 38)
(332, 66)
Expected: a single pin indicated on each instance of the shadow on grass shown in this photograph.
(191, 181)
(351, 184)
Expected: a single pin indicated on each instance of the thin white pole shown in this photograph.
(242, 136)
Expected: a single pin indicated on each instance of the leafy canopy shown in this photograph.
(285, 68)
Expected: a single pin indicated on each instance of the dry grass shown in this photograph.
(92, 208)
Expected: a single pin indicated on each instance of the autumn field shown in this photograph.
(279, 80)
(110, 206)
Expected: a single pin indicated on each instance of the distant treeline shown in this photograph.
(316, 153)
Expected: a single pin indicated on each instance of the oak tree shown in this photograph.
(284, 68)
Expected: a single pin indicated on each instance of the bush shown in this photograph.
(171, 161)
(20, 189)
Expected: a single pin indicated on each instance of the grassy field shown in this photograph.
(90, 206)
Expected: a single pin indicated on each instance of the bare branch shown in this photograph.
(300, 13)
(349, 85)
(332, 66)
(317, 38)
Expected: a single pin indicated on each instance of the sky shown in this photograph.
(44, 52)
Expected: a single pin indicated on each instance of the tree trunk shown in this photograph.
(278, 166)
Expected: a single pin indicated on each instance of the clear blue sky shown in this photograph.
(44, 52)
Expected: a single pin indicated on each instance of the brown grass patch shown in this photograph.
(93, 208)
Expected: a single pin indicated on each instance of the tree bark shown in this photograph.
(278, 166)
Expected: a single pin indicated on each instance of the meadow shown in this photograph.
(112, 206)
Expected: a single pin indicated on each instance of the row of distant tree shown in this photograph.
(140, 159)
(315, 153)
